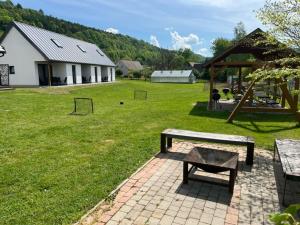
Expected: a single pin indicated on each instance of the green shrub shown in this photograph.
(137, 74)
(290, 216)
(119, 72)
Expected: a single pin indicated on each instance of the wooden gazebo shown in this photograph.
(253, 44)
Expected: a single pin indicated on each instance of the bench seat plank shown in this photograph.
(212, 137)
(168, 134)
(289, 155)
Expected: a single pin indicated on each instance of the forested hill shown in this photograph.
(116, 46)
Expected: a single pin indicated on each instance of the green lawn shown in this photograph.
(54, 167)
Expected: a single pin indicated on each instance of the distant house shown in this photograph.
(194, 65)
(126, 66)
(37, 57)
(173, 76)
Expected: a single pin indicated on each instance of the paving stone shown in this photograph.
(126, 208)
(156, 195)
(158, 213)
(140, 220)
(179, 220)
(218, 221)
(206, 218)
(166, 220)
(153, 221)
(119, 216)
(183, 214)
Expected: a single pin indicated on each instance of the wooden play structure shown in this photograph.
(250, 100)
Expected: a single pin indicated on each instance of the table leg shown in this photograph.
(163, 148)
(250, 154)
(233, 173)
(169, 142)
(185, 172)
(283, 195)
(274, 155)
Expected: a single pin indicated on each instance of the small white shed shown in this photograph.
(173, 76)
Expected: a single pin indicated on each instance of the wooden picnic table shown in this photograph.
(288, 152)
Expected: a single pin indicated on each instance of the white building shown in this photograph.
(173, 76)
(37, 57)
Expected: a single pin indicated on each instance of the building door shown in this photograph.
(96, 75)
(111, 74)
(43, 74)
(74, 74)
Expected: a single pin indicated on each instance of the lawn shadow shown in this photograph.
(254, 127)
(248, 121)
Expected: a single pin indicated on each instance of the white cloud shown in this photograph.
(169, 28)
(154, 41)
(204, 52)
(179, 41)
(216, 3)
(225, 4)
(112, 30)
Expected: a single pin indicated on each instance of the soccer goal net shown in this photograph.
(83, 106)
(140, 95)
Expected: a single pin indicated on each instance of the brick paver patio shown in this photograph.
(156, 195)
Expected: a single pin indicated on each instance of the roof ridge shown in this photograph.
(43, 29)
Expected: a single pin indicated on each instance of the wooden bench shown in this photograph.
(168, 134)
(288, 152)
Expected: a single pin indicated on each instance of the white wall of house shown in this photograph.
(86, 72)
(169, 79)
(98, 68)
(113, 74)
(70, 74)
(104, 72)
(59, 70)
(22, 55)
(109, 72)
(25, 59)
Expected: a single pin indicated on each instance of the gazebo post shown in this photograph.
(240, 81)
(296, 96)
(212, 76)
(49, 74)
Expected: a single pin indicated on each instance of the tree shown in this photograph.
(219, 45)
(283, 19)
(239, 31)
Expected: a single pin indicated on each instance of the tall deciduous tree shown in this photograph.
(239, 31)
(283, 19)
(219, 45)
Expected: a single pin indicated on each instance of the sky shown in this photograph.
(171, 24)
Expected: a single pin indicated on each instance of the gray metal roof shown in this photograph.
(172, 73)
(131, 65)
(69, 52)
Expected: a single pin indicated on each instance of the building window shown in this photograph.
(57, 43)
(12, 70)
(81, 48)
(99, 52)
